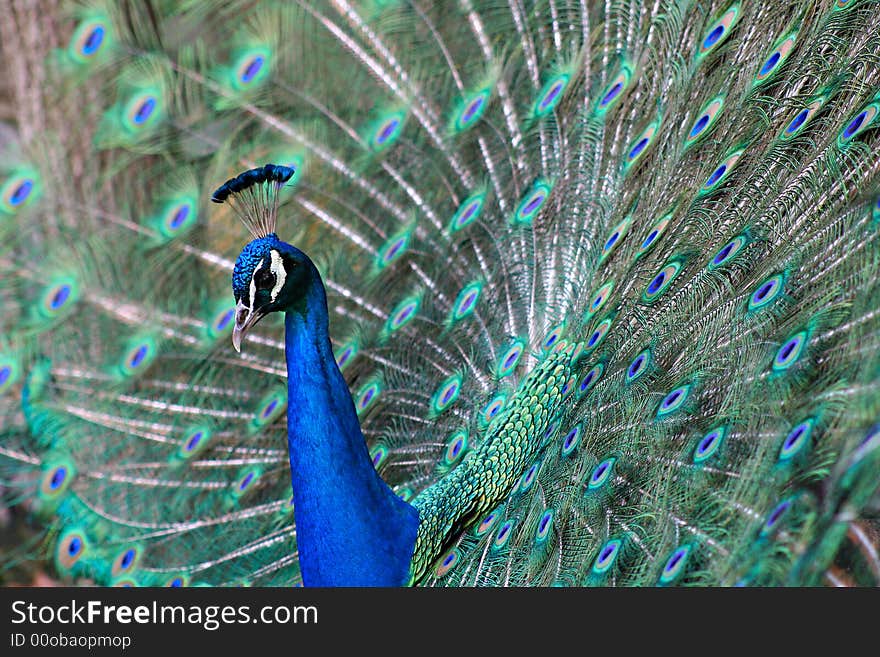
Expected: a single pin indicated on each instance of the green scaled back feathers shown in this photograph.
(609, 270)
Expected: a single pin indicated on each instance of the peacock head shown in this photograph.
(269, 276)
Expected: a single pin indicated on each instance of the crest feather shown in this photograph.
(253, 196)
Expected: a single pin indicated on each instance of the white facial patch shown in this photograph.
(253, 290)
(277, 268)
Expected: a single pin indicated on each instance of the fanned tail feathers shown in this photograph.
(689, 192)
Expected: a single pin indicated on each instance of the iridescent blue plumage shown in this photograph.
(251, 255)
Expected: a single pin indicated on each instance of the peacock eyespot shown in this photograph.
(545, 524)
(797, 121)
(55, 481)
(508, 361)
(468, 212)
(345, 356)
(367, 396)
(598, 335)
(590, 378)
(718, 31)
(503, 535)
(386, 132)
(553, 336)
(378, 455)
(766, 292)
(722, 172)
(138, 356)
(528, 478)
(769, 64)
(224, 320)
(486, 524)
(447, 563)
(180, 216)
(125, 562)
(532, 203)
(774, 517)
(713, 36)
(796, 440)
(567, 387)
(638, 366)
(447, 393)
(246, 481)
(716, 176)
(466, 302)
(600, 298)
(705, 120)
(638, 148)
(699, 125)
(71, 548)
(193, 441)
(790, 351)
(859, 123)
(470, 111)
(251, 68)
(403, 313)
(661, 282)
(494, 407)
(58, 478)
(709, 444)
(775, 60)
(606, 557)
(127, 559)
(18, 191)
(550, 95)
(727, 252)
(271, 406)
(674, 400)
(675, 565)
(58, 296)
(613, 92)
(601, 474)
(854, 125)
(143, 109)
(9, 372)
(456, 447)
(93, 41)
(654, 234)
(570, 442)
(393, 249)
(612, 240)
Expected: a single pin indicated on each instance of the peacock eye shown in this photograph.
(264, 278)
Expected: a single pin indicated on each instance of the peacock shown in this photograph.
(495, 293)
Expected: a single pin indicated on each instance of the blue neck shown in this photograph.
(351, 529)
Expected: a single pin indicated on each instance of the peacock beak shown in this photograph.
(244, 319)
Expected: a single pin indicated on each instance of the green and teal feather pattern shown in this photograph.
(602, 280)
